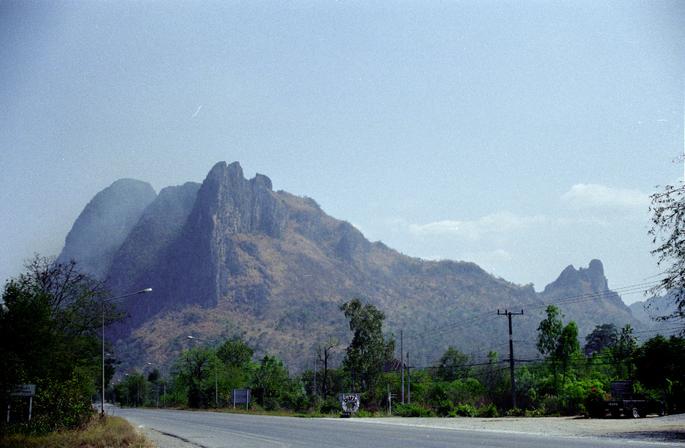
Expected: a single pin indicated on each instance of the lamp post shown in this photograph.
(216, 375)
(156, 383)
(142, 291)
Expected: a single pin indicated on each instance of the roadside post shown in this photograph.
(22, 390)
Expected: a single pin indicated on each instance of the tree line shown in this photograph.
(564, 381)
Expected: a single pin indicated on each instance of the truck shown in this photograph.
(624, 402)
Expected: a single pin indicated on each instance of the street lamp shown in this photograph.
(216, 375)
(112, 299)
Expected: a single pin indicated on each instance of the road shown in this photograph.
(223, 430)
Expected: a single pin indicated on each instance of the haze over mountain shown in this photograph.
(658, 314)
(105, 223)
(234, 257)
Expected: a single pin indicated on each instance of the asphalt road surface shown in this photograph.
(215, 430)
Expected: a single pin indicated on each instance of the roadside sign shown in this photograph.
(349, 403)
(241, 396)
(24, 390)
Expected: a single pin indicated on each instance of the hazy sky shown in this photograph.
(524, 136)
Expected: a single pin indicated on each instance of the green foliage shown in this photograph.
(410, 410)
(270, 382)
(235, 353)
(576, 395)
(623, 353)
(489, 410)
(515, 412)
(49, 332)
(452, 365)
(133, 390)
(549, 331)
(465, 410)
(567, 346)
(602, 337)
(368, 350)
(493, 379)
(330, 406)
(660, 366)
(194, 372)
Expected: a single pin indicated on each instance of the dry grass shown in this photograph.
(113, 432)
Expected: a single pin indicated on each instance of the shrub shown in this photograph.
(488, 410)
(330, 406)
(577, 394)
(515, 412)
(551, 404)
(465, 410)
(444, 408)
(538, 412)
(411, 410)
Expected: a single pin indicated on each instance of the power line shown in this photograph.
(578, 298)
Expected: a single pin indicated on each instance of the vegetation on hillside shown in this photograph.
(565, 380)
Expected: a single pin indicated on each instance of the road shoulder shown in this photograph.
(656, 429)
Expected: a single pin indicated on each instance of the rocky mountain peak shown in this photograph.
(105, 223)
(232, 204)
(582, 279)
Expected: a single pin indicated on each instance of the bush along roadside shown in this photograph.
(110, 432)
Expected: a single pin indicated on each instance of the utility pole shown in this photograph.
(409, 379)
(316, 392)
(511, 354)
(402, 362)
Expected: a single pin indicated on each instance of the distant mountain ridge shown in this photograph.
(231, 256)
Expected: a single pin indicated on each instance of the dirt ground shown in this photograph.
(670, 428)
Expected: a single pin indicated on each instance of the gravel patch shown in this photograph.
(667, 429)
(162, 440)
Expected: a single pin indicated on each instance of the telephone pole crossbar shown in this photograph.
(511, 354)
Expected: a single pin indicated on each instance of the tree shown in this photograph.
(49, 336)
(153, 376)
(602, 337)
(567, 347)
(549, 331)
(368, 350)
(668, 232)
(452, 365)
(623, 352)
(558, 342)
(194, 370)
(235, 353)
(661, 366)
(133, 390)
(270, 382)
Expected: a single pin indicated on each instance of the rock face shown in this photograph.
(233, 257)
(105, 223)
(148, 242)
(585, 296)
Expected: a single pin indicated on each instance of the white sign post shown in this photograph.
(22, 390)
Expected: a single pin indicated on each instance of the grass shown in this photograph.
(112, 432)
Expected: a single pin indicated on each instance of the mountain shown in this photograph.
(652, 311)
(105, 223)
(585, 295)
(234, 257)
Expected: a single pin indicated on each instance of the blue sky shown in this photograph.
(524, 136)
